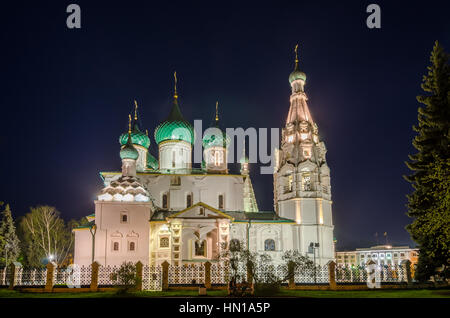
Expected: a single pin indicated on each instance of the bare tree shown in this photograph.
(46, 237)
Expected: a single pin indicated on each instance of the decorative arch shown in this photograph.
(116, 234)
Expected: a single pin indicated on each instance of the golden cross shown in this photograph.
(175, 77)
(217, 111)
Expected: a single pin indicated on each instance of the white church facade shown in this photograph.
(163, 208)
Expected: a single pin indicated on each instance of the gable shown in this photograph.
(200, 210)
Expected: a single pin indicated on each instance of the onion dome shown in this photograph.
(152, 162)
(128, 151)
(211, 139)
(296, 74)
(126, 188)
(137, 136)
(243, 159)
(175, 127)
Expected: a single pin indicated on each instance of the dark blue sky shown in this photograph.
(65, 94)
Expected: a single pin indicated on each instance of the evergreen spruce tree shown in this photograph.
(9, 243)
(429, 203)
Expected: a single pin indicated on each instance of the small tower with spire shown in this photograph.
(215, 143)
(244, 162)
(302, 190)
(140, 141)
(129, 155)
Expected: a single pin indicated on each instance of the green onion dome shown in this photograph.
(297, 74)
(128, 151)
(175, 127)
(210, 139)
(137, 137)
(243, 160)
(152, 162)
(215, 137)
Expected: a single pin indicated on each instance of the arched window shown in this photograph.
(164, 242)
(189, 200)
(173, 158)
(115, 246)
(218, 158)
(165, 201)
(132, 246)
(235, 245)
(269, 245)
(306, 182)
(221, 203)
(200, 248)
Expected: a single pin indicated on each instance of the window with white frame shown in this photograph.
(164, 242)
(269, 245)
(115, 246)
(200, 248)
(189, 200)
(221, 201)
(124, 217)
(306, 182)
(165, 201)
(173, 158)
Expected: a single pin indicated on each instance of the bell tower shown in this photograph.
(302, 190)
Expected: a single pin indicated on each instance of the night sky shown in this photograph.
(66, 93)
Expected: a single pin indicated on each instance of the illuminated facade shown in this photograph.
(302, 189)
(380, 255)
(163, 209)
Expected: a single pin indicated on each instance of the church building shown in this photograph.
(162, 208)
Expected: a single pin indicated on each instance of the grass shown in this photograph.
(408, 293)
(376, 293)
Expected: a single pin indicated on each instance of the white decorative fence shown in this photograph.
(162, 277)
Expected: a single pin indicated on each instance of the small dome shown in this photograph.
(296, 75)
(175, 127)
(213, 140)
(137, 137)
(243, 160)
(128, 151)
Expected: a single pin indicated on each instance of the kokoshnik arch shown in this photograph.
(163, 209)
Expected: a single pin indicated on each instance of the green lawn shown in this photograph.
(415, 293)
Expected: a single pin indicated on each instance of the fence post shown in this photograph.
(139, 267)
(207, 275)
(332, 275)
(94, 276)
(14, 270)
(291, 274)
(407, 269)
(249, 273)
(165, 275)
(50, 277)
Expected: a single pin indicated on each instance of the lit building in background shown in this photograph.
(380, 254)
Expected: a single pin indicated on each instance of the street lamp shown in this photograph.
(93, 230)
(313, 246)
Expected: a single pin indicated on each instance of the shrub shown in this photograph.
(126, 277)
